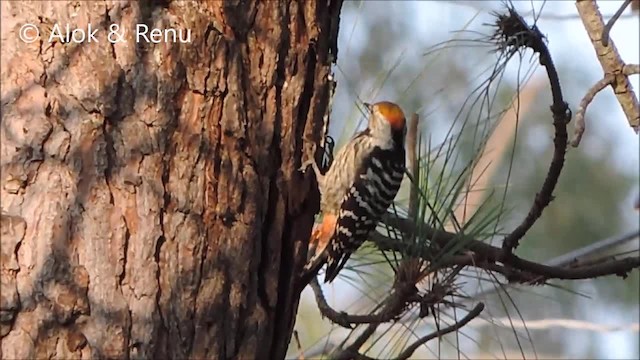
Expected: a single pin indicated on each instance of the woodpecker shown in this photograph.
(359, 186)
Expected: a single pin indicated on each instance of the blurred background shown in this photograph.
(388, 51)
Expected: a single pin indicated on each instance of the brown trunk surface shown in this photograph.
(151, 203)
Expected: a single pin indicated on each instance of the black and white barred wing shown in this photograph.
(364, 203)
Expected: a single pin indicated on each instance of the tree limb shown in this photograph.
(561, 116)
(610, 60)
(572, 258)
(394, 304)
(584, 103)
(609, 79)
(483, 253)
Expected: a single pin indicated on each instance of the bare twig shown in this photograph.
(423, 340)
(584, 103)
(326, 310)
(299, 345)
(612, 21)
(534, 40)
(544, 324)
(578, 256)
(629, 69)
(393, 306)
(610, 61)
(412, 145)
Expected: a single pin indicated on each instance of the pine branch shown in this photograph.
(516, 33)
(477, 253)
(577, 256)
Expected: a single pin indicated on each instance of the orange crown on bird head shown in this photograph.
(391, 112)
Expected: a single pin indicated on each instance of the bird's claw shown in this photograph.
(305, 165)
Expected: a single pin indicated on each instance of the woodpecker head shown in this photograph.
(387, 121)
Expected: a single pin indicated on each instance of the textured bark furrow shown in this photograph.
(163, 214)
(12, 230)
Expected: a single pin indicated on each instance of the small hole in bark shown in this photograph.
(228, 218)
(242, 143)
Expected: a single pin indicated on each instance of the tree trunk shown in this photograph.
(151, 203)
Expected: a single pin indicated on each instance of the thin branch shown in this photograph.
(561, 116)
(520, 270)
(629, 69)
(574, 257)
(612, 21)
(394, 305)
(412, 145)
(298, 345)
(483, 253)
(544, 324)
(610, 61)
(615, 267)
(465, 320)
(352, 352)
(326, 310)
(601, 246)
(403, 292)
(584, 103)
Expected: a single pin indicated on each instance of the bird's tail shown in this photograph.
(335, 262)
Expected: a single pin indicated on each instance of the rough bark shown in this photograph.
(151, 203)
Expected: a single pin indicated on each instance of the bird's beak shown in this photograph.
(368, 106)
